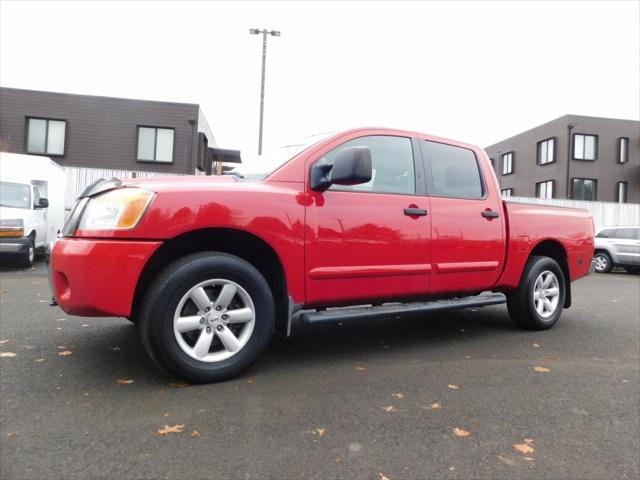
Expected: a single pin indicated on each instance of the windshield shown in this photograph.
(258, 167)
(15, 195)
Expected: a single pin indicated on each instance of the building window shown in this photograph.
(507, 192)
(622, 192)
(544, 189)
(507, 163)
(546, 151)
(623, 150)
(584, 189)
(155, 144)
(585, 147)
(46, 136)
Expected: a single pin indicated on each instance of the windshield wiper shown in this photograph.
(234, 173)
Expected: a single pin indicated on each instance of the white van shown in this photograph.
(31, 204)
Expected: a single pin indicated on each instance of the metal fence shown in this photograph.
(604, 214)
(78, 178)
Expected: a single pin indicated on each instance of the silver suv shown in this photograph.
(618, 246)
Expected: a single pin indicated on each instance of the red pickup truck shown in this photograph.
(210, 267)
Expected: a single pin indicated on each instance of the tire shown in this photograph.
(522, 303)
(633, 270)
(204, 352)
(26, 258)
(604, 264)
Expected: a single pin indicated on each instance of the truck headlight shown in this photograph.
(119, 209)
(12, 228)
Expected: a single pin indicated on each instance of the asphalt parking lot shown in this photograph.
(456, 395)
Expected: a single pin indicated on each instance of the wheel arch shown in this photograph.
(554, 249)
(236, 242)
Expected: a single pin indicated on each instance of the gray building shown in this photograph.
(105, 132)
(577, 157)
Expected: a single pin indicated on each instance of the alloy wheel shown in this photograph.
(214, 320)
(546, 294)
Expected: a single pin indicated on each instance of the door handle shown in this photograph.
(490, 214)
(415, 211)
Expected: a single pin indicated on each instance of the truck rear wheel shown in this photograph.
(207, 317)
(538, 301)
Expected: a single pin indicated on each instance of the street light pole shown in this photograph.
(264, 32)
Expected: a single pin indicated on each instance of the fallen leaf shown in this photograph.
(65, 353)
(467, 356)
(399, 396)
(60, 319)
(9, 434)
(178, 384)
(453, 387)
(43, 301)
(381, 476)
(58, 328)
(2, 342)
(3, 290)
(61, 347)
(123, 381)
(39, 359)
(452, 468)
(250, 380)
(541, 369)
(195, 434)
(523, 448)
(535, 345)
(338, 459)
(528, 440)
(508, 461)
(85, 324)
(459, 432)
(361, 369)
(528, 458)
(166, 414)
(319, 431)
(171, 429)
(436, 406)
(116, 349)
(7, 354)
(389, 408)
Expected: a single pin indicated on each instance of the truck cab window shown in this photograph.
(454, 171)
(392, 165)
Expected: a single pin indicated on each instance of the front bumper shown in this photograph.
(98, 278)
(14, 245)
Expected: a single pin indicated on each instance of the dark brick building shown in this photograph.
(105, 132)
(577, 157)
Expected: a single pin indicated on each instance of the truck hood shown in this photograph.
(186, 182)
(9, 213)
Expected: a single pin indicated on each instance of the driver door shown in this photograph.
(371, 241)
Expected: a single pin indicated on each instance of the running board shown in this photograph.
(382, 311)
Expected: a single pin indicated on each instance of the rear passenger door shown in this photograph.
(627, 245)
(467, 226)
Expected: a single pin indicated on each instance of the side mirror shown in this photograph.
(352, 166)
(43, 203)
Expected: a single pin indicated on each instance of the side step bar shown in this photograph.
(382, 311)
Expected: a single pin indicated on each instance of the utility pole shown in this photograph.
(264, 32)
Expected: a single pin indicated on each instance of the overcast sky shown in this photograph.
(477, 72)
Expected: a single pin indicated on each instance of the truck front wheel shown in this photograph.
(207, 317)
(29, 254)
(538, 301)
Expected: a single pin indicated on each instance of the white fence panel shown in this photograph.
(78, 178)
(604, 213)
